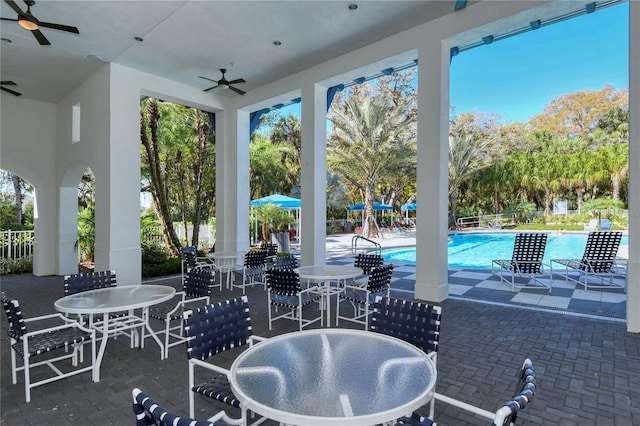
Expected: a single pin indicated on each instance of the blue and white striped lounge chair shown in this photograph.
(598, 261)
(525, 268)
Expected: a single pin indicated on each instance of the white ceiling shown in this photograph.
(187, 39)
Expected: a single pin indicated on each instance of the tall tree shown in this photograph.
(467, 156)
(159, 166)
(579, 114)
(369, 138)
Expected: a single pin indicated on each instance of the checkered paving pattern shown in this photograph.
(483, 285)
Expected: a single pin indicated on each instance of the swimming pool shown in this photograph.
(478, 250)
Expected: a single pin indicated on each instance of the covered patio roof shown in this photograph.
(80, 107)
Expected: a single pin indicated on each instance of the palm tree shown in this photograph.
(369, 137)
(467, 155)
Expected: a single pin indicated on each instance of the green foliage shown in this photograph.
(8, 218)
(170, 266)
(272, 217)
(153, 254)
(16, 266)
(534, 226)
(86, 233)
(156, 262)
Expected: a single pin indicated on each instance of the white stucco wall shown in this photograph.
(27, 148)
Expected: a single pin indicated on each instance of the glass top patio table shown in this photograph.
(333, 377)
(327, 274)
(114, 299)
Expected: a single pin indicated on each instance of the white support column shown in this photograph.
(633, 268)
(314, 175)
(432, 175)
(232, 180)
(117, 195)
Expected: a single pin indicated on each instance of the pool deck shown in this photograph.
(587, 369)
(481, 285)
(587, 366)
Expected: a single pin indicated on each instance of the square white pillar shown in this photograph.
(314, 175)
(432, 171)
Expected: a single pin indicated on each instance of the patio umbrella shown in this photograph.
(376, 206)
(287, 203)
(406, 208)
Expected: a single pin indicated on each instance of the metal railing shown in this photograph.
(16, 244)
(356, 238)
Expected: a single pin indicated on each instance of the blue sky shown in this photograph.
(516, 77)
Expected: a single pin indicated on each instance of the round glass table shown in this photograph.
(333, 377)
(114, 299)
(325, 275)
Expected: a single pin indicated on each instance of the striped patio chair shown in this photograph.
(27, 344)
(284, 291)
(598, 261)
(507, 414)
(525, 262)
(362, 298)
(149, 413)
(212, 330)
(414, 322)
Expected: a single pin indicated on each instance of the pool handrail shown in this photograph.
(354, 244)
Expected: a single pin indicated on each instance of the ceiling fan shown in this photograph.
(9, 83)
(29, 22)
(223, 83)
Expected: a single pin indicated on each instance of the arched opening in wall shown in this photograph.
(76, 196)
(178, 181)
(16, 224)
(85, 244)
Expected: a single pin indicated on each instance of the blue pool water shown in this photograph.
(478, 250)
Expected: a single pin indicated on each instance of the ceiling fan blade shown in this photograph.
(238, 91)
(9, 19)
(212, 87)
(206, 78)
(8, 83)
(14, 93)
(15, 7)
(41, 38)
(240, 80)
(66, 28)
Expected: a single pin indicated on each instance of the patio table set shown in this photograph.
(383, 374)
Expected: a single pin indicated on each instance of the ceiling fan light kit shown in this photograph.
(225, 84)
(29, 22)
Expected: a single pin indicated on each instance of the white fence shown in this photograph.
(16, 244)
(19, 244)
(206, 236)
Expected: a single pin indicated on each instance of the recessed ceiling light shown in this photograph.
(95, 58)
(138, 39)
(277, 43)
(353, 6)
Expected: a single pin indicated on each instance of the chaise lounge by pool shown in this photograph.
(478, 250)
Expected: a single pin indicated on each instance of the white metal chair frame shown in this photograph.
(526, 261)
(23, 345)
(363, 298)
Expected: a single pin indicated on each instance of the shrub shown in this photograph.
(170, 266)
(16, 266)
(153, 254)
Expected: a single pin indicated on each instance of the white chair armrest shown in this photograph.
(257, 339)
(67, 323)
(193, 362)
(185, 302)
(463, 405)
